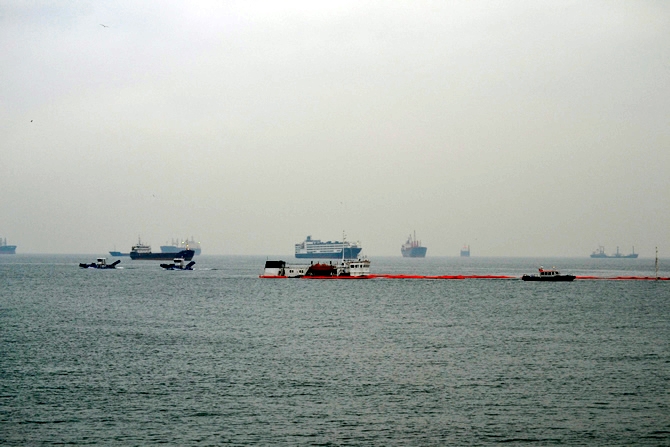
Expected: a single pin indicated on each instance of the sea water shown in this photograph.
(139, 355)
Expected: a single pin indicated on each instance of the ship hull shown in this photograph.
(8, 250)
(599, 256)
(349, 253)
(187, 255)
(414, 252)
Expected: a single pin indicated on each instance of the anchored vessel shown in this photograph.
(600, 253)
(314, 248)
(548, 275)
(412, 248)
(465, 251)
(178, 264)
(179, 245)
(141, 251)
(355, 268)
(100, 263)
(6, 249)
(118, 253)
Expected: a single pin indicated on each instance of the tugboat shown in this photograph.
(178, 264)
(548, 275)
(100, 263)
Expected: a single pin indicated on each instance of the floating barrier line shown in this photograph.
(461, 277)
(399, 276)
(623, 278)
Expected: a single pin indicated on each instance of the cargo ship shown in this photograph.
(600, 254)
(412, 248)
(179, 245)
(465, 251)
(314, 248)
(143, 252)
(6, 249)
(118, 253)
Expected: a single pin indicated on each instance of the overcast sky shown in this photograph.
(522, 128)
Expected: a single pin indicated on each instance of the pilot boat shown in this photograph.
(548, 275)
(178, 264)
(100, 263)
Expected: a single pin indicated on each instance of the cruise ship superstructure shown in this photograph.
(316, 249)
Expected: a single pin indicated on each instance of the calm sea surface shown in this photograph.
(139, 356)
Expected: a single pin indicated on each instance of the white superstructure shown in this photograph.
(315, 248)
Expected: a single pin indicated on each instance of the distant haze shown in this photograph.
(522, 128)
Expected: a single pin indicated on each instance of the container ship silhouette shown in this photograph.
(600, 253)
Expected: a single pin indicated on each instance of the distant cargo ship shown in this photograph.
(465, 251)
(118, 253)
(178, 246)
(412, 248)
(600, 253)
(142, 251)
(314, 248)
(6, 249)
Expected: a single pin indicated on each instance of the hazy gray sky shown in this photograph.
(522, 128)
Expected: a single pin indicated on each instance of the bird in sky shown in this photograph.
(104, 25)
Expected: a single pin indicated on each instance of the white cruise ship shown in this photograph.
(316, 249)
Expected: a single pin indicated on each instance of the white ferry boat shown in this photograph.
(358, 268)
(315, 249)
